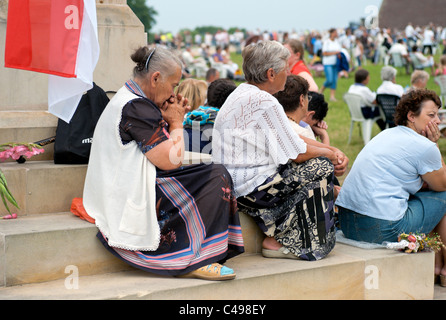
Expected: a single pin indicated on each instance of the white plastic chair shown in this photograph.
(354, 103)
(398, 61)
(441, 81)
(219, 66)
(442, 125)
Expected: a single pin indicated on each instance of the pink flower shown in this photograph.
(4, 155)
(15, 151)
(18, 151)
(412, 246)
(33, 152)
(412, 238)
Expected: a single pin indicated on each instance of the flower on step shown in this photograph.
(17, 150)
(14, 151)
(412, 246)
(6, 196)
(416, 242)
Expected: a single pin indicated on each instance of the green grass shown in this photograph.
(338, 117)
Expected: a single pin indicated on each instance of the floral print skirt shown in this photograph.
(295, 206)
(198, 219)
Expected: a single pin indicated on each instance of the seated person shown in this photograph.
(296, 63)
(295, 105)
(192, 63)
(442, 67)
(383, 194)
(194, 91)
(400, 48)
(150, 210)
(317, 110)
(220, 57)
(278, 179)
(370, 110)
(418, 80)
(389, 85)
(211, 75)
(425, 62)
(199, 123)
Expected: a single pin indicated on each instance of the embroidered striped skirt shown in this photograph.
(198, 219)
(295, 206)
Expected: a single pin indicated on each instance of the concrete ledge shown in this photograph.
(340, 276)
(39, 248)
(27, 119)
(42, 186)
(395, 275)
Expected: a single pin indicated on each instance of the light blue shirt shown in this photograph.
(387, 171)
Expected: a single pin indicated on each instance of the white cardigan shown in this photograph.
(119, 191)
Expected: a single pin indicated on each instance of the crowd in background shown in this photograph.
(363, 44)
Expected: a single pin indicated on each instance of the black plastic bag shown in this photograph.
(73, 140)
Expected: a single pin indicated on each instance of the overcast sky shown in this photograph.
(277, 15)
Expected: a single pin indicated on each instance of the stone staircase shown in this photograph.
(48, 253)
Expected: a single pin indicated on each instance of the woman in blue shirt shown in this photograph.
(398, 181)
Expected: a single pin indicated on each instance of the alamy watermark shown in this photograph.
(72, 21)
(72, 280)
(371, 20)
(371, 277)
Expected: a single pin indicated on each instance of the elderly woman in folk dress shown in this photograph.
(152, 213)
(278, 178)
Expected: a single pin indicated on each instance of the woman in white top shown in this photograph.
(277, 179)
(428, 41)
(151, 212)
(398, 181)
(330, 51)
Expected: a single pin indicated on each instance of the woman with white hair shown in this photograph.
(418, 80)
(278, 179)
(389, 85)
(151, 212)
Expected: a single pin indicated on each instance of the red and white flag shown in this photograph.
(57, 37)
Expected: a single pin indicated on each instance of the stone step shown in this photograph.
(345, 274)
(24, 126)
(45, 187)
(42, 186)
(38, 248)
(40, 252)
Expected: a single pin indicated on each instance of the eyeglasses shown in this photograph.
(148, 59)
(309, 98)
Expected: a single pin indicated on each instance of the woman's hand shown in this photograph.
(173, 111)
(169, 154)
(342, 162)
(320, 130)
(432, 132)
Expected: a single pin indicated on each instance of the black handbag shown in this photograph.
(73, 140)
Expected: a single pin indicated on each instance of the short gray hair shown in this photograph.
(259, 57)
(161, 59)
(388, 73)
(419, 75)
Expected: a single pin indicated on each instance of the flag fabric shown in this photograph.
(57, 37)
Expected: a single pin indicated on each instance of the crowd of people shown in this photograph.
(334, 53)
(271, 154)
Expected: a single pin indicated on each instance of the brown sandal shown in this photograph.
(213, 271)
